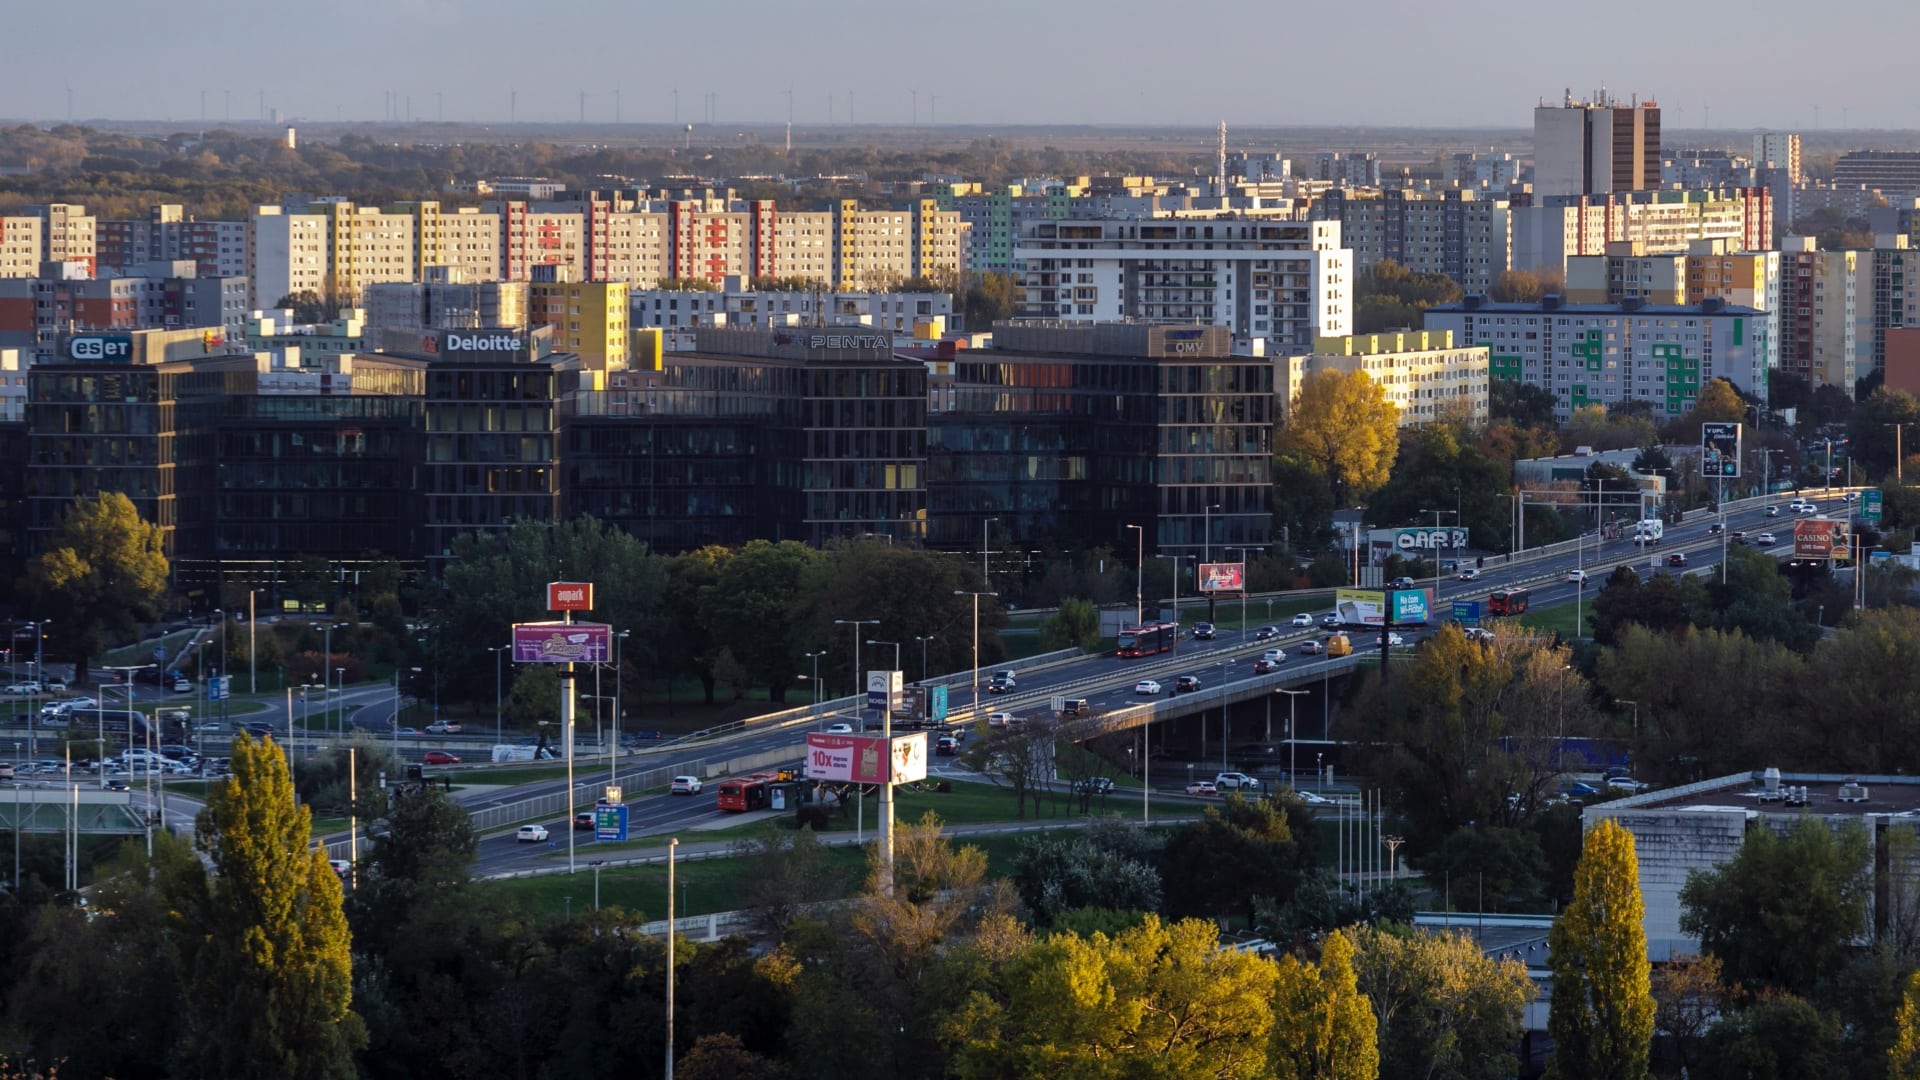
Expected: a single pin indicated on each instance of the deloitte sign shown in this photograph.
(456, 342)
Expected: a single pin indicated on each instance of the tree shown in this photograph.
(1602, 1007)
(1785, 909)
(268, 957)
(990, 298)
(1061, 872)
(1688, 996)
(308, 306)
(789, 873)
(426, 850)
(1075, 625)
(1903, 1057)
(913, 594)
(1515, 286)
(722, 1057)
(1871, 430)
(1869, 723)
(692, 648)
(1438, 469)
(1442, 1008)
(1020, 760)
(1523, 403)
(1235, 855)
(1323, 1027)
(1779, 1036)
(1709, 702)
(103, 570)
(1303, 502)
(1344, 424)
(1505, 866)
(764, 595)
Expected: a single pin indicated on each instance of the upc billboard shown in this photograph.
(860, 759)
(562, 643)
(1223, 577)
(1720, 450)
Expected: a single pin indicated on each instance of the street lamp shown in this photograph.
(1226, 720)
(1293, 737)
(614, 753)
(923, 654)
(859, 682)
(1139, 582)
(1176, 586)
(975, 715)
(1436, 545)
(253, 662)
(896, 651)
(815, 657)
(498, 652)
(596, 864)
(673, 846)
(1206, 530)
(326, 659)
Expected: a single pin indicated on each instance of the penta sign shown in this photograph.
(850, 341)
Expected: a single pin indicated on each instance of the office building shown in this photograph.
(1287, 281)
(1605, 354)
(446, 300)
(1820, 304)
(1081, 430)
(1421, 372)
(1466, 235)
(1888, 275)
(1707, 168)
(1595, 147)
(1895, 172)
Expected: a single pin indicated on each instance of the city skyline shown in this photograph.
(472, 61)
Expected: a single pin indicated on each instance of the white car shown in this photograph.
(1312, 799)
(1802, 507)
(1628, 784)
(839, 729)
(1765, 540)
(1146, 686)
(1234, 781)
(1471, 573)
(24, 688)
(1577, 576)
(1330, 619)
(999, 719)
(1393, 640)
(1202, 787)
(1303, 619)
(686, 785)
(1311, 648)
(1274, 656)
(1773, 511)
(531, 834)
(55, 708)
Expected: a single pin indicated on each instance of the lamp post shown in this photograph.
(673, 845)
(1206, 531)
(613, 771)
(1176, 586)
(1436, 545)
(1139, 574)
(1226, 720)
(859, 680)
(253, 663)
(326, 659)
(923, 654)
(1899, 466)
(815, 657)
(340, 723)
(896, 651)
(1293, 735)
(596, 864)
(985, 581)
(498, 652)
(975, 714)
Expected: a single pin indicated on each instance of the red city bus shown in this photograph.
(1147, 640)
(1507, 602)
(743, 793)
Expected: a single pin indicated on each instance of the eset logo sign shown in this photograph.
(98, 347)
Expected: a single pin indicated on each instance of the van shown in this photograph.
(1077, 706)
(1339, 645)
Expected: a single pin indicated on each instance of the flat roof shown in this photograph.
(1865, 795)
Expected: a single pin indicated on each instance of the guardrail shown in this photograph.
(586, 792)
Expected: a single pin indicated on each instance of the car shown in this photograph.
(1203, 631)
(1097, 785)
(1478, 633)
(1739, 536)
(1146, 686)
(56, 685)
(999, 719)
(1802, 506)
(24, 688)
(1005, 675)
(1627, 784)
(1266, 633)
(1076, 706)
(341, 867)
(1236, 781)
(1851, 496)
(1579, 788)
(1400, 583)
(1678, 558)
(1312, 799)
(1302, 619)
(408, 733)
(1330, 619)
(1311, 648)
(583, 821)
(117, 784)
(1203, 788)
(839, 729)
(210, 725)
(1471, 573)
(1263, 666)
(1278, 656)
(1393, 640)
(444, 727)
(259, 729)
(1000, 686)
(1773, 511)
(531, 834)
(1579, 576)
(946, 746)
(54, 708)
(440, 757)
(1765, 540)
(1186, 684)
(1716, 528)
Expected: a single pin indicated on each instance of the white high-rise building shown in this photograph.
(1777, 150)
(1595, 147)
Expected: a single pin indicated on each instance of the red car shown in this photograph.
(440, 757)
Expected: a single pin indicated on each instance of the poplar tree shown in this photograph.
(1602, 1018)
(1323, 1027)
(268, 957)
(1903, 1057)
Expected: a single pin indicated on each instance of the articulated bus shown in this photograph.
(1507, 602)
(1147, 640)
(743, 793)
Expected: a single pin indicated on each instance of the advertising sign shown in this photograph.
(1409, 606)
(860, 759)
(610, 823)
(562, 643)
(1720, 450)
(1223, 577)
(883, 690)
(1870, 506)
(1819, 538)
(111, 347)
(569, 596)
(937, 705)
(1466, 612)
(1360, 607)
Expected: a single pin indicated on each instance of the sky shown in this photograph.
(1400, 63)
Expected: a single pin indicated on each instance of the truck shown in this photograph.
(523, 752)
(1649, 531)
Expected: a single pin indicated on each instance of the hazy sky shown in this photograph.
(1766, 63)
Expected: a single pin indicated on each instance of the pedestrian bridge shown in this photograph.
(58, 808)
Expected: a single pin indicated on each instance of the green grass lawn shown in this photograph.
(142, 653)
(1559, 617)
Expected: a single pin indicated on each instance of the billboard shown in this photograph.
(1466, 612)
(562, 643)
(1720, 450)
(1408, 606)
(1820, 538)
(1223, 577)
(569, 596)
(1360, 607)
(859, 759)
(883, 691)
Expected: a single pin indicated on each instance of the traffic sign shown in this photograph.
(1870, 502)
(216, 688)
(1466, 612)
(610, 823)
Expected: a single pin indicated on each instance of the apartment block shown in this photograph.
(20, 246)
(166, 234)
(1662, 222)
(539, 235)
(589, 318)
(920, 314)
(34, 312)
(1819, 313)
(68, 234)
(1287, 281)
(287, 253)
(1480, 170)
(1347, 169)
(1605, 354)
(1890, 277)
(1464, 234)
(1595, 147)
(1895, 172)
(1778, 150)
(878, 249)
(446, 301)
(464, 240)
(1421, 372)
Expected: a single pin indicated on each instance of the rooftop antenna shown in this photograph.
(1221, 176)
